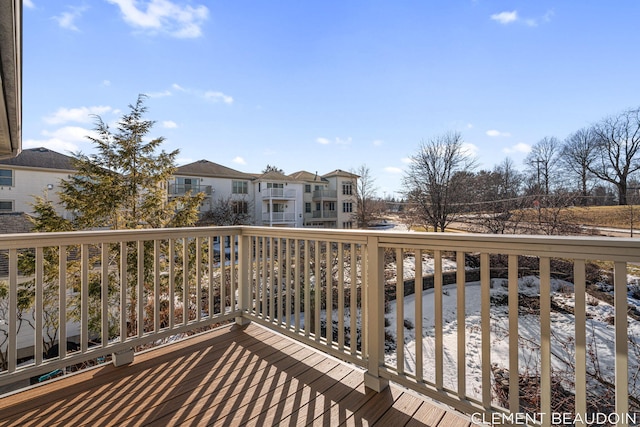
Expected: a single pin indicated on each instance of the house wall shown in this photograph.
(222, 188)
(292, 200)
(30, 182)
(335, 182)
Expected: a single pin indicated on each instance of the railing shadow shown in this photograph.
(244, 376)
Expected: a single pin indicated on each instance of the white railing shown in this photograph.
(352, 294)
(325, 194)
(122, 289)
(278, 217)
(278, 193)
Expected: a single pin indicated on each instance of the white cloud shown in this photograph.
(336, 141)
(67, 20)
(469, 149)
(80, 115)
(520, 147)
(176, 86)
(218, 96)
(164, 16)
(406, 160)
(495, 133)
(169, 124)
(392, 169)
(510, 17)
(106, 83)
(469, 126)
(547, 16)
(52, 144)
(70, 133)
(28, 3)
(183, 161)
(505, 17)
(159, 94)
(378, 142)
(65, 139)
(239, 160)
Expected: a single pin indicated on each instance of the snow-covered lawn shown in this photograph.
(599, 329)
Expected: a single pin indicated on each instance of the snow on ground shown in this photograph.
(600, 333)
(409, 266)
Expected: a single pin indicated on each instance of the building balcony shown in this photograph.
(279, 194)
(325, 214)
(182, 189)
(486, 305)
(278, 217)
(329, 195)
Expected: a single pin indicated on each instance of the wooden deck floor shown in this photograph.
(230, 376)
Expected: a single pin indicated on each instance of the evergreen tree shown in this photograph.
(122, 185)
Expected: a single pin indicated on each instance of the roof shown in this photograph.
(41, 158)
(205, 168)
(307, 176)
(340, 172)
(274, 176)
(11, 77)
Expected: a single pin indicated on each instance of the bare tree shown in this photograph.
(500, 208)
(365, 191)
(577, 155)
(228, 211)
(618, 144)
(541, 163)
(430, 186)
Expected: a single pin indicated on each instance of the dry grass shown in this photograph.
(598, 216)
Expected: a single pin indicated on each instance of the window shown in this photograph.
(6, 205)
(317, 206)
(347, 224)
(240, 208)
(347, 188)
(307, 188)
(347, 207)
(240, 187)
(6, 177)
(275, 185)
(307, 207)
(330, 206)
(277, 207)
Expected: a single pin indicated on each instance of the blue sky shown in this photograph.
(325, 85)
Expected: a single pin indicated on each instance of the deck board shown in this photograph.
(229, 376)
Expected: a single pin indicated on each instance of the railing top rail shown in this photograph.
(612, 248)
(21, 240)
(586, 247)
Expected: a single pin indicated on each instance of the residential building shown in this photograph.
(345, 185)
(301, 199)
(278, 200)
(34, 172)
(218, 183)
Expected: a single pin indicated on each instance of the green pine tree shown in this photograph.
(123, 185)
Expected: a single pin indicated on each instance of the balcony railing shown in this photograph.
(180, 189)
(325, 195)
(279, 217)
(325, 214)
(350, 294)
(278, 193)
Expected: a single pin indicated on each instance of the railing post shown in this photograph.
(244, 284)
(375, 315)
